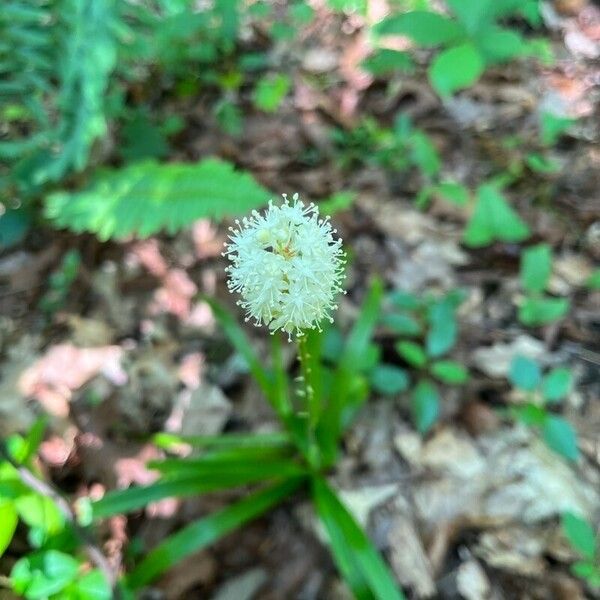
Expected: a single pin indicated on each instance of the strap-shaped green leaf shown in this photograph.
(241, 343)
(346, 394)
(147, 197)
(200, 534)
(359, 562)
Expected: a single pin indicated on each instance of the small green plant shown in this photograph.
(60, 282)
(542, 394)
(287, 268)
(398, 149)
(493, 220)
(430, 324)
(472, 38)
(537, 308)
(55, 568)
(584, 540)
(270, 92)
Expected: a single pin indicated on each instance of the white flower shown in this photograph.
(286, 265)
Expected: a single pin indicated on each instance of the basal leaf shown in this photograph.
(358, 561)
(200, 534)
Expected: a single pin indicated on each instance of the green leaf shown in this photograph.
(442, 332)
(40, 575)
(145, 198)
(476, 15)
(580, 533)
(498, 45)
(449, 371)
(239, 441)
(338, 202)
(455, 69)
(387, 62)
(452, 192)
(345, 396)
(425, 404)
(412, 353)
(8, 523)
(556, 384)
(493, 220)
(241, 343)
(587, 570)
(541, 164)
(270, 92)
(182, 486)
(561, 437)
(14, 226)
(388, 379)
(402, 324)
(524, 373)
(553, 126)
(424, 153)
(358, 561)
(404, 300)
(593, 281)
(424, 27)
(202, 533)
(93, 586)
(530, 414)
(40, 512)
(143, 139)
(542, 310)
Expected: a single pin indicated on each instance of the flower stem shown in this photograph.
(311, 399)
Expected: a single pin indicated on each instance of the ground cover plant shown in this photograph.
(299, 299)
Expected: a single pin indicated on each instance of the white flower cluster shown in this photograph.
(286, 265)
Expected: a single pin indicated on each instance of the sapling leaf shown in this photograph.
(593, 281)
(530, 414)
(456, 68)
(442, 332)
(542, 310)
(426, 28)
(449, 371)
(561, 437)
(524, 373)
(536, 267)
(556, 384)
(553, 126)
(412, 353)
(580, 534)
(402, 324)
(389, 379)
(493, 220)
(425, 405)
(498, 44)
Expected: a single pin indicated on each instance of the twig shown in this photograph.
(43, 488)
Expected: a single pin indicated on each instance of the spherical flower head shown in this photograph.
(286, 265)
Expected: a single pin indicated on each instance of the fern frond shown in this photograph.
(55, 62)
(146, 197)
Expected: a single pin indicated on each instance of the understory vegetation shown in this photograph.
(438, 436)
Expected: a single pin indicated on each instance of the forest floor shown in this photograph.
(471, 509)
